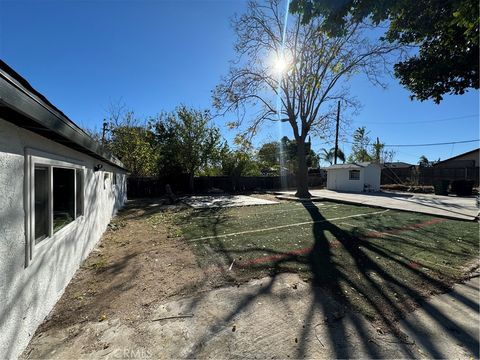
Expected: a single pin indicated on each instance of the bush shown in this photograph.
(462, 187)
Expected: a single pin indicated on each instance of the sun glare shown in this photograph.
(280, 65)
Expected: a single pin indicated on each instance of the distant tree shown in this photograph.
(361, 141)
(378, 149)
(269, 154)
(446, 33)
(363, 150)
(387, 156)
(238, 163)
(329, 155)
(423, 161)
(290, 150)
(95, 134)
(133, 143)
(340, 155)
(305, 73)
(186, 141)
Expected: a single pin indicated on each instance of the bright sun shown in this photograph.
(280, 65)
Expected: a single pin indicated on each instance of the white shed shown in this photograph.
(355, 177)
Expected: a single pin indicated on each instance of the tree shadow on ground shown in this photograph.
(381, 289)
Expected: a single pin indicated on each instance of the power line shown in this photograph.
(419, 122)
(434, 144)
(416, 145)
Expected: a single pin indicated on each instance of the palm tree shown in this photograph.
(423, 161)
(329, 155)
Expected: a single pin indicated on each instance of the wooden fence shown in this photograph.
(428, 175)
(432, 175)
(141, 187)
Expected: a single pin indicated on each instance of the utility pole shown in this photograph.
(104, 130)
(336, 133)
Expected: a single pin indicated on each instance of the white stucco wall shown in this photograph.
(28, 293)
(372, 176)
(338, 180)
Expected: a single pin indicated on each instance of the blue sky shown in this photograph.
(155, 55)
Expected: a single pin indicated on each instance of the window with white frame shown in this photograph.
(354, 174)
(54, 193)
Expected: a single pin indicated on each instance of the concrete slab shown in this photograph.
(280, 317)
(445, 206)
(277, 317)
(220, 201)
(447, 326)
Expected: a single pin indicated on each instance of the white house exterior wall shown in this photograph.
(29, 292)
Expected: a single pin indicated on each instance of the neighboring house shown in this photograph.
(461, 167)
(470, 159)
(356, 177)
(58, 192)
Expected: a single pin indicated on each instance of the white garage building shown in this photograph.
(58, 192)
(355, 177)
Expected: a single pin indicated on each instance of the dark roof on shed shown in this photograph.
(25, 107)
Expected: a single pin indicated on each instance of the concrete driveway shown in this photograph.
(462, 208)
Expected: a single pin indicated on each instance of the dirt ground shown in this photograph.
(143, 293)
(134, 265)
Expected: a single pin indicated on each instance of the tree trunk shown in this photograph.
(191, 181)
(302, 171)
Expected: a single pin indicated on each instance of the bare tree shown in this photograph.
(305, 73)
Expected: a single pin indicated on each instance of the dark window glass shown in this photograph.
(354, 174)
(79, 174)
(41, 203)
(63, 197)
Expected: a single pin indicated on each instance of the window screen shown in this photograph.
(41, 203)
(354, 174)
(63, 197)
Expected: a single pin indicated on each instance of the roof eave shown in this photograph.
(16, 97)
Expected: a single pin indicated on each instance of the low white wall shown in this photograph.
(338, 180)
(372, 176)
(29, 293)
